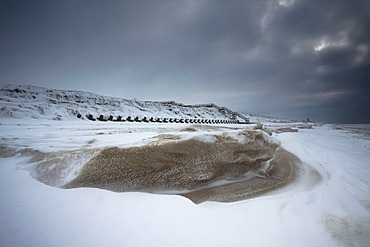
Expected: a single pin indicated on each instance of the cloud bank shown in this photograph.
(288, 58)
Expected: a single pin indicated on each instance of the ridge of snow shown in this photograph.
(27, 101)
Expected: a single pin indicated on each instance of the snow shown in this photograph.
(256, 118)
(329, 205)
(26, 101)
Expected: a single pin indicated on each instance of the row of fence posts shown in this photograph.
(160, 120)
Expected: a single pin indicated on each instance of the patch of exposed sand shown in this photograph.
(226, 169)
(6, 152)
(285, 130)
(189, 129)
(192, 165)
(348, 231)
(282, 170)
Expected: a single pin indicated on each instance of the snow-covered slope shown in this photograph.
(255, 118)
(41, 103)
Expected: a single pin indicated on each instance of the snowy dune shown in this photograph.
(328, 204)
(42, 103)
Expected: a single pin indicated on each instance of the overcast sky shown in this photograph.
(287, 58)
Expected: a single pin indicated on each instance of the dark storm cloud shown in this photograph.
(289, 58)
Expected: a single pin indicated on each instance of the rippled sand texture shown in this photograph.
(282, 170)
(192, 166)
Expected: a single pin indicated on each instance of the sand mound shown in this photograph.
(225, 170)
(224, 167)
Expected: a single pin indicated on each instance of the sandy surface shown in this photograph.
(222, 168)
(282, 170)
(225, 170)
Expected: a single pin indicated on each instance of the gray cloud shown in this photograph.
(294, 59)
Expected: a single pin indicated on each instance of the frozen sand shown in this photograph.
(224, 170)
(333, 212)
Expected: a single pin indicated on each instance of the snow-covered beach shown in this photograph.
(327, 205)
(184, 123)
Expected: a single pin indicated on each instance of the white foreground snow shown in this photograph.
(334, 211)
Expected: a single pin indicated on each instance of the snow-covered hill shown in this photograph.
(42, 103)
(255, 118)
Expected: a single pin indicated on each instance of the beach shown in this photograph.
(325, 203)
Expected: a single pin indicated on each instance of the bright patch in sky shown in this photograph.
(341, 41)
(286, 3)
